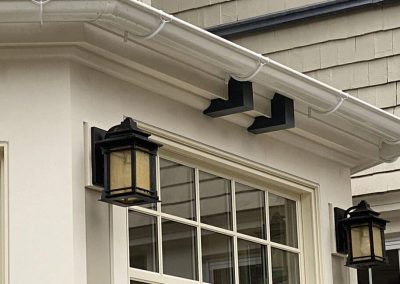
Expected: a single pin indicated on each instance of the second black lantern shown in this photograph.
(360, 234)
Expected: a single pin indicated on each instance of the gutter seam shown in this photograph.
(41, 4)
(262, 61)
(164, 21)
(329, 112)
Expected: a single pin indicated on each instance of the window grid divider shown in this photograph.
(159, 247)
(268, 232)
(266, 213)
(215, 229)
(198, 216)
(159, 221)
(234, 227)
(284, 247)
(269, 264)
(300, 244)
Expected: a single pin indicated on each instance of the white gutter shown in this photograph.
(241, 62)
(126, 16)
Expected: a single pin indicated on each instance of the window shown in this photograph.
(213, 228)
(3, 215)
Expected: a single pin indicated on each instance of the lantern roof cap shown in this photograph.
(362, 209)
(128, 126)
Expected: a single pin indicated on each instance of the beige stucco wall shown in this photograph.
(101, 100)
(35, 121)
(59, 232)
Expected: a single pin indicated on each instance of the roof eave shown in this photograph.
(129, 15)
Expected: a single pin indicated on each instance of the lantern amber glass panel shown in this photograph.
(377, 237)
(360, 242)
(143, 170)
(120, 171)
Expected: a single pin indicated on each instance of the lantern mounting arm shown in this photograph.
(97, 134)
(347, 212)
(340, 215)
(341, 239)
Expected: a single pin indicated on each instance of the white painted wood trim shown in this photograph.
(4, 215)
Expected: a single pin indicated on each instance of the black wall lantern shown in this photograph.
(360, 234)
(124, 162)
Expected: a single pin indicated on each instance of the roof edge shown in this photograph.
(127, 15)
(289, 17)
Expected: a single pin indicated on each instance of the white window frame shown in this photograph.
(4, 273)
(200, 156)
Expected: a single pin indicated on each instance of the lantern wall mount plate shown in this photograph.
(124, 163)
(360, 234)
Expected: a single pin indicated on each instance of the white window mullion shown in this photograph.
(266, 202)
(199, 254)
(300, 242)
(159, 220)
(269, 250)
(370, 276)
(235, 239)
(3, 215)
(160, 252)
(285, 248)
(269, 264)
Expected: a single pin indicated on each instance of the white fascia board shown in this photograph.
(134, 17)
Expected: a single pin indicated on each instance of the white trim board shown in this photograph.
(4, 250)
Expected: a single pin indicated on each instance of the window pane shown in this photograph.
(217, 250)
(363, 276)
(250, 211)
(143, 241)
(283, 221)
(179, 250)
(252, 263)
(389, 273)
(285, 267)
(215, 201)
(177, 190)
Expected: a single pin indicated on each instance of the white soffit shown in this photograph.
(185, 57)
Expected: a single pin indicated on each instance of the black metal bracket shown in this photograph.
(282, 116)
(340, 233)
(240, 99)
(97, 134)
